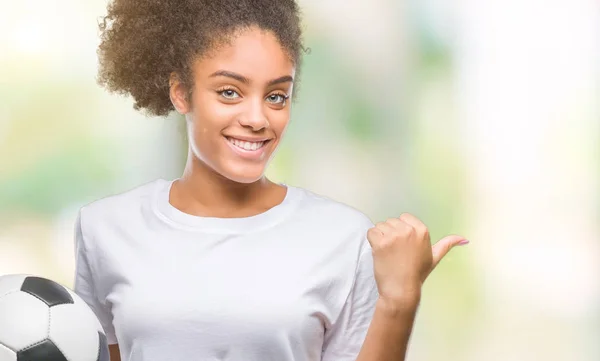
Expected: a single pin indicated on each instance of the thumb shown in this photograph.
(444, 245)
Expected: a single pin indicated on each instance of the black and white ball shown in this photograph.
(41, 320)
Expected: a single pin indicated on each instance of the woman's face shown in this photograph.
(240, 105)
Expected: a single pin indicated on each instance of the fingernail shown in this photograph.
(463, 242)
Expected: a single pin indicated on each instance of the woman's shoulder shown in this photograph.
(327, 208)
(118, 204)
(335, 228)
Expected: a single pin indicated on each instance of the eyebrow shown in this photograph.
(243, 79)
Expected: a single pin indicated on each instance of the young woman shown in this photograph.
(222, 263)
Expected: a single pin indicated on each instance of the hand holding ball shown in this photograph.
(40, 320)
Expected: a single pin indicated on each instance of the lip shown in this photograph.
(248, 139)
(248, 154)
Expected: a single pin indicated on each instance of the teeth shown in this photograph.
(246, 145)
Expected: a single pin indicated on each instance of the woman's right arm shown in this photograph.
(86, 288)
(114, 352)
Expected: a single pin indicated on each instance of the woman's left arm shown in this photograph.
(402, 259)
(388, 335)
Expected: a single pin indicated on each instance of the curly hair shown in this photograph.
(144, 41)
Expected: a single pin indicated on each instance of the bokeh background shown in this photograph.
(481, 117)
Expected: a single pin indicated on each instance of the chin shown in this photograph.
(245, 175)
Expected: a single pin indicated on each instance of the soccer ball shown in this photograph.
(40, 320)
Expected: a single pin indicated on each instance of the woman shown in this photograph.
(222, 263)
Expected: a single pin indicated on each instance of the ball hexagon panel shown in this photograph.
(76, 331)
(7, 354)
(24, 319)
(11, 283)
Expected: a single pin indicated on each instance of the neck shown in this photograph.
(202, 191)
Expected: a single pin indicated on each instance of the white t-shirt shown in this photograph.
(294, 283)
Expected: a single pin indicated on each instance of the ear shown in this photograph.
(178, 94)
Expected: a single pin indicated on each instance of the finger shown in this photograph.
(385, 228)
(397, 223)
(377, 234)
(404, 230)
(374, 236)
(416, 223)
(412, 220)
(444, 245)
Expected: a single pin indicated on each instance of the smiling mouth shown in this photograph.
(246, 145)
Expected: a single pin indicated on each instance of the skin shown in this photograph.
(241, 90)
(403, 258)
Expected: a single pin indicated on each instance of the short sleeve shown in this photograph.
(344, 339)
(84, 285)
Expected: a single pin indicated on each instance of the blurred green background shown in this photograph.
(480, 117)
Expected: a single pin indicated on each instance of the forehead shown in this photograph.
(254, 53)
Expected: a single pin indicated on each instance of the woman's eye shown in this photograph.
(276, 98)
(229, 94)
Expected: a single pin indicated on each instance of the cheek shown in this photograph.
(208, 117)
(205, 124)
(203, 138)
(279, 121)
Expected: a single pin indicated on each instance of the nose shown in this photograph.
(254, 116)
